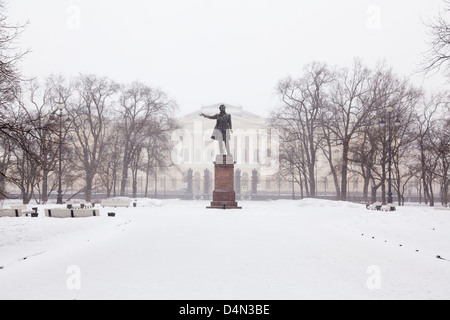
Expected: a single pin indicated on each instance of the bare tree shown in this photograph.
(404, 137)
(25, 173)
(299, 118)
(292, 163)
(339, 111)
(140, 108)
(10, 79)
(390, 91)
(444, 151)
(5, 164)
(158, 149)
(438, 55)
(331, 150)
(439, 149)
(89, 116)
(25, 167)
(40, 105)
(110, 167)
(350, 109)
(10, 76)
(23, 140)
(427, 120)
(364, 155)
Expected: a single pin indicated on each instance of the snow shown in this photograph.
(173, 249)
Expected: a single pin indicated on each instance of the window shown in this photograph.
(245, 155)
(256, 156)
(247, 149)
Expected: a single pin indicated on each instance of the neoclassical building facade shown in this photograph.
(254, 146)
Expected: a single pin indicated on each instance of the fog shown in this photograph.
(205, 52)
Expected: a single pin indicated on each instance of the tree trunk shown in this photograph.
(344, 187)
(114, 188)
(383, 192)
(445, 183)
(147, 181)
(420, 192)
(156, 185)
(366, 188)
(426, 193)
(27, 197)
(109, 185)
(89, 185)
(306, 186)
(45, 192)
(431, 193)
(445, 194)
(335, 177)
(312, 180)
(124, 181)
(375, 188)
(134, 174)
(2, 186)
(302, 192)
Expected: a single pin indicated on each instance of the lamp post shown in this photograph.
(60, 192)
(389, 111)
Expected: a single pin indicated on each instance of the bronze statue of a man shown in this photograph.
(222, 129)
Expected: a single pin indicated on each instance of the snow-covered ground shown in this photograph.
(308, 249)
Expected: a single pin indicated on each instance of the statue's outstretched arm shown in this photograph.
(208, 117)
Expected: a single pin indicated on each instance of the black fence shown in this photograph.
(97, 197)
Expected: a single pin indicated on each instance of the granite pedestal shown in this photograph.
(224, 196)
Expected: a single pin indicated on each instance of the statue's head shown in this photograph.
(222, 108)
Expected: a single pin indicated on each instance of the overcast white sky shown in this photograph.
(206, 51)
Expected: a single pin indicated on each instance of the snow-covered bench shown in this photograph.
(389, 207)
(9, 213)
(23, 209)
(81, 204)
(116, 203)
(375, 206)
(72, 213)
